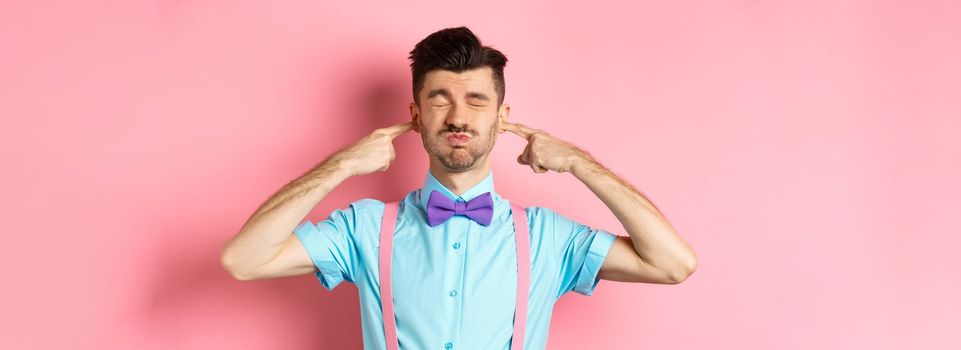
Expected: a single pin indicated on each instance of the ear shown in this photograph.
(502, 114)
(415, 116)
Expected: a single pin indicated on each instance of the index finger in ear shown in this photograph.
(519, 129)
(398, 129)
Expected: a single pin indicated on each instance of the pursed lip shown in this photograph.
(458, 138)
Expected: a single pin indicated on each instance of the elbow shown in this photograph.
(681, 274)
(228, 263)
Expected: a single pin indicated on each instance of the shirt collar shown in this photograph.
(431, 183)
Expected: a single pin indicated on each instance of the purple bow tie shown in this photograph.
(440, 208)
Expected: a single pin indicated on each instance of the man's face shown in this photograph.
(458, 117)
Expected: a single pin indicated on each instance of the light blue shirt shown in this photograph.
(454, 284)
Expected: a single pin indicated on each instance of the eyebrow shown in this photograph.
(446, 93)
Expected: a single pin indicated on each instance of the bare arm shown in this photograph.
(653, 252)
(269, 229)
(266, 247)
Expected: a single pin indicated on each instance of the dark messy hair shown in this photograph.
(456, 50)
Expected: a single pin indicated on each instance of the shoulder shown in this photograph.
(537, 216)
(367, 204)
(371, 206)
(536, 211)
(374, 207)
(550, 219)
(358, 210)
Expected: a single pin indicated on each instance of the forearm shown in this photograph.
(653, 237)
(263, 235)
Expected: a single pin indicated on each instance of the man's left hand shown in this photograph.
(544, 151)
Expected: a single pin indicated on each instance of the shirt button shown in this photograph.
(448, 345)
(452, 293)
(456, 245)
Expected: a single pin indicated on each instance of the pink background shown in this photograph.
(809, 152)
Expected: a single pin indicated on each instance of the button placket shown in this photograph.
(462, 233)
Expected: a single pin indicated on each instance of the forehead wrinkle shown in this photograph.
(467, 79)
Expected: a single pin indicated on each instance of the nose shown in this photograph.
(456, 119)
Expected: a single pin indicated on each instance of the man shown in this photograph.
(453, 278)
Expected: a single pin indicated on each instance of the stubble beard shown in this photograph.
(459, 158)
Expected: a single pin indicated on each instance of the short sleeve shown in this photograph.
(580, 253)
(331, 244)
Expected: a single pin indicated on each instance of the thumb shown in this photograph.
(520, 159)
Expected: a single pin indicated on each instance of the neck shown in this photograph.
(460, 182)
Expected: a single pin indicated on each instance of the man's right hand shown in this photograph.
(374, 152)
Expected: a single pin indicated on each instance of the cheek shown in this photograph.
(430, 119)
(425, 121)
